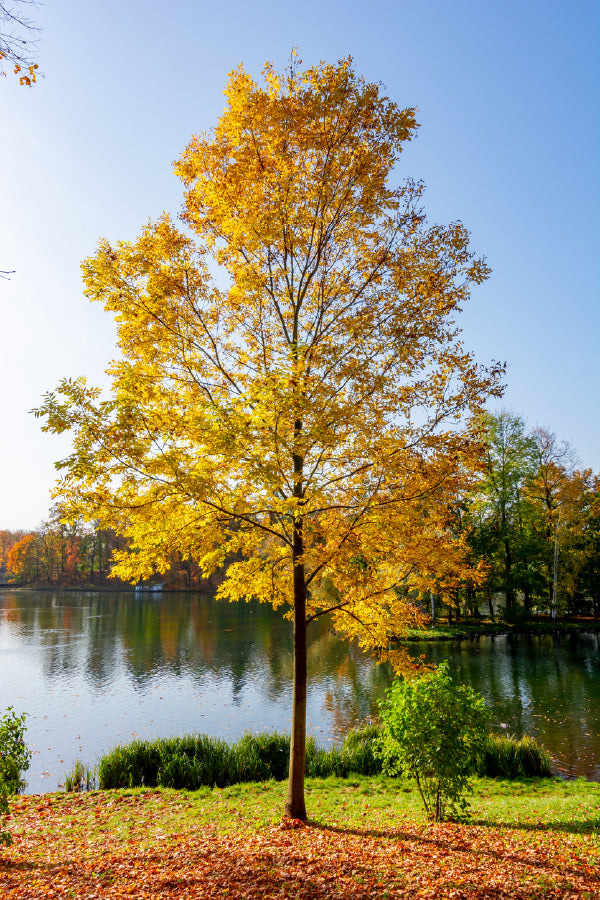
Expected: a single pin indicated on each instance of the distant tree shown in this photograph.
(499, 514)
(571, 529)
(7, 541)
(554, 494)
(18, 47)
(23, 559)
(588, 573)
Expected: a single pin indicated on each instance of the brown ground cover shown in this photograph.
(161, 845)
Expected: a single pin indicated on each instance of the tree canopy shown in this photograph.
(292, 400)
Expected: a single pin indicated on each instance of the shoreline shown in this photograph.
(472, 631)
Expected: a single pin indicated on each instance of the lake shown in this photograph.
(95, 669)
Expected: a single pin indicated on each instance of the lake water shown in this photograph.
(95, 669)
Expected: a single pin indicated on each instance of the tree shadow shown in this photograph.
(582, 826)
(448, 845)
(8, 865)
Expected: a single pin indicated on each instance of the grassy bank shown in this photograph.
(475, 628)
(199, 760)
(366, 838)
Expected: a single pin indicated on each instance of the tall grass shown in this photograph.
(506, 757)
(194, 761)
(80, 778)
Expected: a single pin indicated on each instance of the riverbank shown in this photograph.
(473, 629)
(366, 838)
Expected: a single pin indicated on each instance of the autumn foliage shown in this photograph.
(292, 398)
(147, 845)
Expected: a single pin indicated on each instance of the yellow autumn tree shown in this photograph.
(292, 398)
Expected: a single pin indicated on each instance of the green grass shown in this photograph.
(506, 757)
(194, 761)
(474, 627)
(358, 802)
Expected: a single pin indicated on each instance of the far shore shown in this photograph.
(467, 629)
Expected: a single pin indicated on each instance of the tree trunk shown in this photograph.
(295, 805)
(509, 591)
(99, 557)
(527, 600)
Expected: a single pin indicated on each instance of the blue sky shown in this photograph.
(508, 99)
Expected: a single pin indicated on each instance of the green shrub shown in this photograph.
(14, 760)
(263, 756)
(435, 731)
(195, 760)
(361, 746)
(132, 765)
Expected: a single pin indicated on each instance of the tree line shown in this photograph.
(530, 530)
(81, 555)
(533, 526)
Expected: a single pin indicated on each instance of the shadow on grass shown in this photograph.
(461, 843)
(582, 826)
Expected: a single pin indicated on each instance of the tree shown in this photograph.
(588, 574)
(499, 510)
(552, 490)
(23, 558)
(290, 398)
(577, 543)
(15, 48)
(7, 541)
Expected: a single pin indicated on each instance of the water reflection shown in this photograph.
(547, 686)
(94, 669)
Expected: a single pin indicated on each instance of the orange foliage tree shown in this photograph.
(292, 399)
(23, 558)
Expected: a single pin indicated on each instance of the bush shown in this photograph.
(130, 766)
(14, 760)
(196, 760)
(435, 731)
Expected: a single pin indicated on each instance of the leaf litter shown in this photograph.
(151, 844)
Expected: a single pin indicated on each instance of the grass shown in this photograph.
(507, 757)
(473, 627)
(193, 761)
(355, 802)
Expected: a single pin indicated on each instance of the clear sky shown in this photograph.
(508, 99)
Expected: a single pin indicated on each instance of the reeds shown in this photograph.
(198, 760)
(507, 757)
(81, 778)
